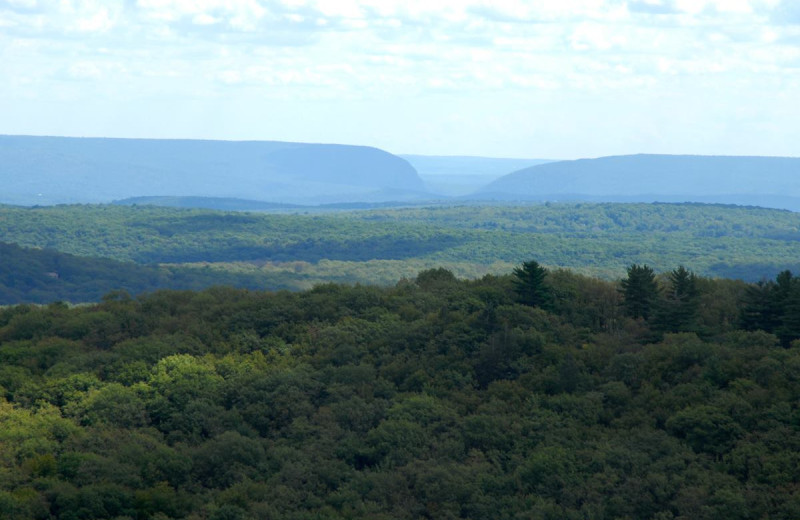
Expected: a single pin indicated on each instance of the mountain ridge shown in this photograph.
(48, 170)
(748, 180)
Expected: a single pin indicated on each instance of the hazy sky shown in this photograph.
(514, 78)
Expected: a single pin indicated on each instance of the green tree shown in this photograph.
(705, 428)
(529, 283)
(774, 307)
(640, 291)
(431, 279)
(681, 303)
(758, 311)
(789, 328)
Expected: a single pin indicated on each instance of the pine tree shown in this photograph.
(790, 323)
(758, 310)
(530, 285)
(774, 307)
(680, 307)
(786, 307)
(640, 291)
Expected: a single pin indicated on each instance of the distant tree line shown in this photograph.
(601, 239)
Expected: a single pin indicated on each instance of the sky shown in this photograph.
(555, 79)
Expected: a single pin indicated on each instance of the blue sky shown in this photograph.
(504, 78)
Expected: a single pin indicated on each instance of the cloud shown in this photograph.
(653, 6)
(412, 32)
(204, 19)
(84, 71)
(20, 5)
(593, 36)
(787, 12)
(382, 51)
(99, 21)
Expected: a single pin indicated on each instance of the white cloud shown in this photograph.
(99, 21)
(204, 19)
(382, 51)
(85, 71)
(22, 4)
(593, 36)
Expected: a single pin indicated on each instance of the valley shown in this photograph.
(181, 248)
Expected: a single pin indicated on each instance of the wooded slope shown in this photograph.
(436, 398)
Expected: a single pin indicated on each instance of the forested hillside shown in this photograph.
(44, 276)
(535, 395)
(383, 246)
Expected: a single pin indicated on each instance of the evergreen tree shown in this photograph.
(681, 304)
(758, 312)
(529, 283)
(790, 322)
(774, 307)
(640, 291)
(785, 307)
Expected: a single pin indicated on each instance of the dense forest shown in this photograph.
(537, 394)
(199, 248)
(29, 275)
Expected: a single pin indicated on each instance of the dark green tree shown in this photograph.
(758, 312)
(790, 327)
(640, 291)
(681, 303)
(774, 307)
(787, 307)
(435, 278)
(529, 283)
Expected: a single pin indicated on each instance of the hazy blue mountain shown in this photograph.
(758, 181)
(459, 175)
(48, 170)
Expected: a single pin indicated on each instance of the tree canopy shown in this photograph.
(437, 397)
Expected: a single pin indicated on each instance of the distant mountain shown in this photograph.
(758, 181)
(459, 175)
(49, 170)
